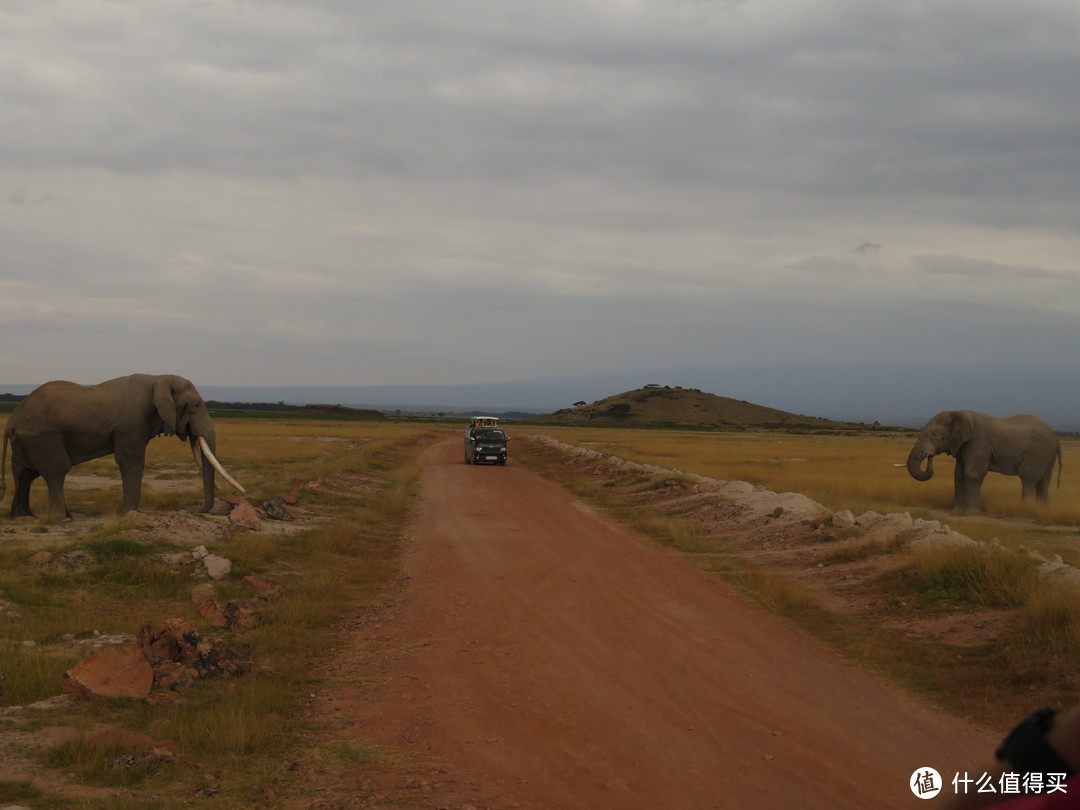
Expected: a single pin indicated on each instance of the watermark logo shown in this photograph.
(925, 783)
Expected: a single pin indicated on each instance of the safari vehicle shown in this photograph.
(485, 442)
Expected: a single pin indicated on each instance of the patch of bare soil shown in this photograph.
(539, 655)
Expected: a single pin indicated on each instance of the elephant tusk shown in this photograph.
(217, 464)
(197, 453)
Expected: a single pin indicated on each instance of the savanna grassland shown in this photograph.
(858, 471)
(355, 483)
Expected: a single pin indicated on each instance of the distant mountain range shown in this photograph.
(905, 395)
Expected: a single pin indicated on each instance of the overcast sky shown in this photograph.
(348, 192)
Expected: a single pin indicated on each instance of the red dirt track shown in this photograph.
(543, 656)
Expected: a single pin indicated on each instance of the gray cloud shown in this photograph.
(409, 193)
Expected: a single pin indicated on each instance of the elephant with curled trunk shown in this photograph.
(61, 424)
(1016, 445)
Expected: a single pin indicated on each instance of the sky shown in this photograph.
(348, 192)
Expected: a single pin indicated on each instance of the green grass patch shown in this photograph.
(32, 673)
(966, 576)
(99, 764)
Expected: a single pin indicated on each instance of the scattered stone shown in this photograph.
(179, 655)
(216, 567)
(221, 508)
(41, 558)
(154, 756)
(735, 488)
(243, 514)
(843, 520)
(199, 552)
(241, 616)
(112, 672)
(211, 610)
(276, 509)
(203, 592)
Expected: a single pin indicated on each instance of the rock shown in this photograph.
(40, 558)
(113, 672)
(276, 509)
(203, 592)
(211, 610)
(221, 508)
(243, 514)
(199, 552)
(174, 676)
(736, 488)
(179, 654)
(126, 762)
(216, 567)
(843, 520)
(241, 616)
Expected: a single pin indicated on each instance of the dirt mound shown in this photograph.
(794, 532)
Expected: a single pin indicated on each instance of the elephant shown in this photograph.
(1016, 445)
(61, 424)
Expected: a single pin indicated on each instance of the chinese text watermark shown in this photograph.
(926, 783)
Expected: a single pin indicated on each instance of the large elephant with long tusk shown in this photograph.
(1023, 445)
(61, 424)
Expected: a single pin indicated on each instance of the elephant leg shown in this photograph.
(960, 497)
(57, 502)
(131, 466)
(1042, 490)
(968, 489)
(20, 502)
(50, 461)
(1027, 488)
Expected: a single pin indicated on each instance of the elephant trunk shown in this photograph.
(914, 464)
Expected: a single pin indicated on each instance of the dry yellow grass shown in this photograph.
(264, 455)
(855, 472)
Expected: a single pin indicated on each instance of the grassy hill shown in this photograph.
(671, 405)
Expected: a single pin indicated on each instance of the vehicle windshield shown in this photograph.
(489, 435)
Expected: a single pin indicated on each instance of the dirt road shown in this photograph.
(542, 656)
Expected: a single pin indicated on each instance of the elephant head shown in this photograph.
(945, 433)
(184, 414)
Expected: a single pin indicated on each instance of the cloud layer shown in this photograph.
(330, 192)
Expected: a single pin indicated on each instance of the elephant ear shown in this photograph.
(165, 404)
(961, 431)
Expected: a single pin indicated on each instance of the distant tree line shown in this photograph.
(214, 404)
